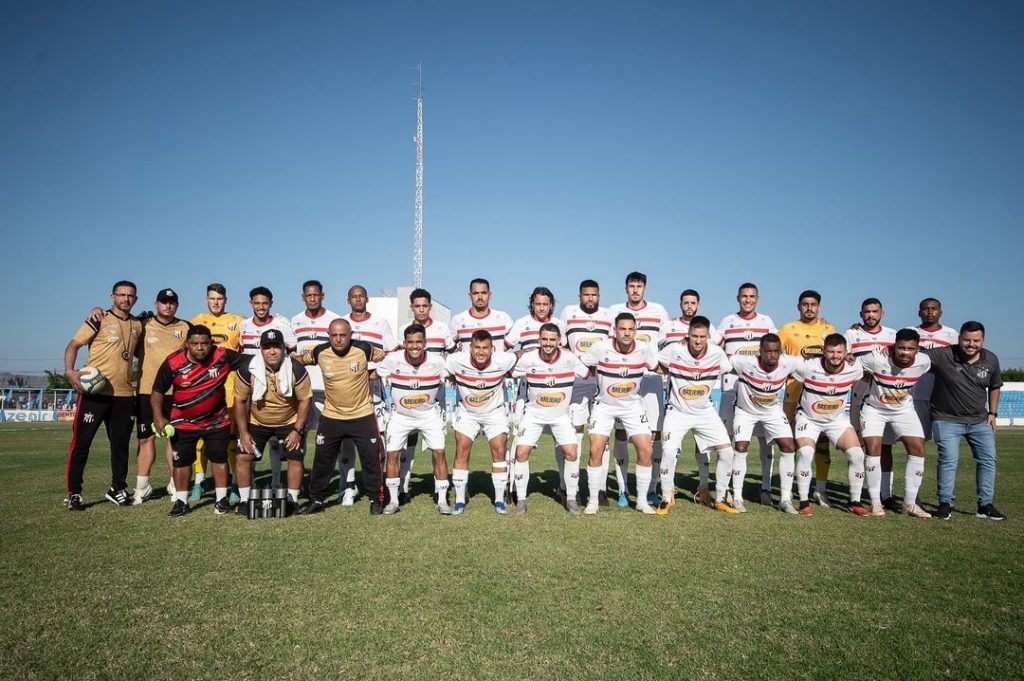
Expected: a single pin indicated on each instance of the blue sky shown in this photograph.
(862, 149)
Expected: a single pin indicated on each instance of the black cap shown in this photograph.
(167, 295)
(271, 337)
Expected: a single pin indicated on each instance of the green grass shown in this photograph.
(131, 593)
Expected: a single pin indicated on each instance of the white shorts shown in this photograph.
(429, 425)
(531, 428)
(708, 429)
(584, 390)
(727, 409)
(811, 429)
(652, 390)
(493, 423)
(904, 423)
(632, 417)
(775, 425)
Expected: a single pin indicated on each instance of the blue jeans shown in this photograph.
(982, 442)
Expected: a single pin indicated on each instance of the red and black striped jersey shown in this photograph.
(198, 398)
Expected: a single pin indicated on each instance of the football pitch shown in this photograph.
(130, 593)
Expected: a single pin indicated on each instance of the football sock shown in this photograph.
(141, 481)
(221, 492)
(571, 478)
(722, 470)
(460, 478)
(703, 466)
(521, 472)
(441, 489)
(643, 481)
(873, 475)
(392, 485)
(667, 471)
(243, 494)
(787, 467)
(912, 479)
(293, 494)
(622, 465)
(855, 473)
(405, 461)
(594, 480)
(739, 472)
(181, 496)
(767, 454)
(803, 471)
(499, 476)
(658, 453)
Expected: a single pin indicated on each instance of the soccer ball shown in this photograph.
(92, 380)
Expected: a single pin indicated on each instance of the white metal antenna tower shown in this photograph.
(417, 258)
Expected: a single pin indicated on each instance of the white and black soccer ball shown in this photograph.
(92, 379)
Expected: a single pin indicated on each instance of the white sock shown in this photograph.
(667, 471)
(141, 481)
(521, 472)
(405, 461)
(499, 476)
(392, 485)
(622, 465)
(606, 457)
(594, 481)
(243, 494)
(855, 473)
(460, 478)
(170, 486)
(767, 454)
(803, 471)
(441, 490)
(873, 474)
(703, 466)
(221, 492)
(643, 481)
(560, 461)
(293, 494)
(181, 496)
(722, 471)
(739, 472)
(912, 478)
(787, 468)
(658, 453)
(571, 478)
(886, 483)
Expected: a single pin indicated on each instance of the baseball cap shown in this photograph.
(167, 295)
(271, 337)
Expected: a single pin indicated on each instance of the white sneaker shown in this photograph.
(348, 497)
(737, 503)
(141, 495)
(786, 506)
(645, 508)
(822, 499)
(591, 507)
(443, 508)
(391, 509)
(916, 511)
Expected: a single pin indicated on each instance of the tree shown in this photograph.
(56, 380)
(1014, 375)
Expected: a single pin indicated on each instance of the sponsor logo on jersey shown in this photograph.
(693, 392)
(585, 344)
(622, 389)
(812, 351)
(550, 399)
(827, 407)
(749, 350)
(645, 337)
(894, 397)
(765, 399)
(479, 399)
(414, 401)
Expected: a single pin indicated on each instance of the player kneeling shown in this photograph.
(415, 378)
(693, 369)
(272, 401)
(550, 374)
(827, 382)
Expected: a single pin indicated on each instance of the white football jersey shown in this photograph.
(691, 379)
(678, 330)
(480, 391)
(373, 330)
(583, 330)
(891, 385)
(942, 337)
(440, 338)
(310, 332)
(619, 373)
(825, 395)
(757, 390)
(743, 336)
(649, 318)
(414, 387)
(525, 332)
(251, 332)
(549, 384)
(860, 342)
(496, 322)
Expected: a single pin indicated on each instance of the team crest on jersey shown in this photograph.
(353, 367)
(590, 326)
(232, 326)
(414, 384)
(179, 334)
(982, 373)
(481, 384)
(214, 372)
(550, 381)
(748, 335)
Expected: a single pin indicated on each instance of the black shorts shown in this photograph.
(215, 445)
(144, 416)
(261, 435)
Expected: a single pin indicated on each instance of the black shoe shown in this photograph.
(179, 509)
(889, 504)
(602, 498)
(376, 508)
(989, 512)
(290, 508)
(222, 506)
(944, 512)
(74, 502)
(118, 497)
(403, 498)
(312, 507)
(242, 509)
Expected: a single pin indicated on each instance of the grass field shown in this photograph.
(131, 593)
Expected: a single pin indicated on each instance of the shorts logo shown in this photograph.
(414, 401)
(622, 389)
(827, 407)
(88, 417)
(479, 399)
(550, 399)
(693, 392)
(174, 455)
(319, 439)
